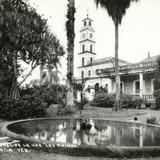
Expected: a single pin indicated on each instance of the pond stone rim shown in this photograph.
(123, 151)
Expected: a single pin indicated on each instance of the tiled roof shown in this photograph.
(105, 60)
(150, 59)
(149, 64)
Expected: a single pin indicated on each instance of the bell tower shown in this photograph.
(87, 43)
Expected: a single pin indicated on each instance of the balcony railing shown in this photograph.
(145, 96)
(148, 97)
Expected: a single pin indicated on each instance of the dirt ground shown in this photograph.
(88, 112)
(44, 156)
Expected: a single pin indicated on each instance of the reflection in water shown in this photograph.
(141, 137)
(90, 132)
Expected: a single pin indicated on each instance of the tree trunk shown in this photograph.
(116, 69)
(56, 78)
(70, 98)
(41, 73)
(20, 83)
(49, 76)
(70, 57)
(14, 92)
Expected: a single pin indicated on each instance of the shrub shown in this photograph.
(26, 107)
(33, 103)
(103, 100)
(148, 104)
(126, 101)
(157, 99)
(137, 102)
(152, 120)
(108, 100)
(157, 84)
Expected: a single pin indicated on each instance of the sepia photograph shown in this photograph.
(79, 79)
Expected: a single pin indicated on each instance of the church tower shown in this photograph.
(87, 44)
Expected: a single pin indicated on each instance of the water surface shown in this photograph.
(89, 132)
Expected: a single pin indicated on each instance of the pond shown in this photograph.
(97, 134)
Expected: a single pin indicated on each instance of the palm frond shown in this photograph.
(116, 8)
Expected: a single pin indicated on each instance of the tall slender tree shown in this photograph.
(157, 85)
(70, 50)
(116, 10)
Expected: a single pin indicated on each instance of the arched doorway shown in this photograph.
(96, 87)
(136, 87)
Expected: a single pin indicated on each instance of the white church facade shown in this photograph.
(136, 79)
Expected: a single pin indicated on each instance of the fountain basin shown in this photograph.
(99, 137)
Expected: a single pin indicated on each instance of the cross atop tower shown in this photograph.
(87, 13)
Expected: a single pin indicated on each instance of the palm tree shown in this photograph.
(49, 70)
(49, 76)
(70, 50)
(116, 10)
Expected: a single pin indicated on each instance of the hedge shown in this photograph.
(107, 100)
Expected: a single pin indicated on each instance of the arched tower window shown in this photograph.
(85, 23)
(83, 48)
(89, 73)
(90, 48)
(82, 61)
(89, 23)
(91, 59)
(82, 74)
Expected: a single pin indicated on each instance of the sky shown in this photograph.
(139, 32)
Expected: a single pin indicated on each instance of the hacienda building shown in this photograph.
(136, 79)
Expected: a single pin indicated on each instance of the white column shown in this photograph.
(110, 89)
(100, 82)
(141, 84)
(152, 86)
(78, 96)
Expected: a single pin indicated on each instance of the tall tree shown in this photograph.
(6, 75)
(24, 36)
(116, 10)
(49, 71)
(70, 50)
(157, 85)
